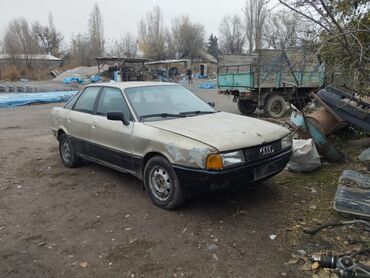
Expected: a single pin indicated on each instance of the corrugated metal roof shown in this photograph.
(121, 59)
(41, 57)
(167, 62)
(202, 54)
(207, 56)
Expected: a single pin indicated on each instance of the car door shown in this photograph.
(111, 140)
(79, 119)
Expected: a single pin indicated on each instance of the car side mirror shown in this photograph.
(212, 103)
(117, 116)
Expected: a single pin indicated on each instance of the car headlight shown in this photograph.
(222, 160)
(232, 158)
(286, 142)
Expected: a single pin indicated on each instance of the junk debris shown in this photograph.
(128, 69)
(54, 73)
(306, 128)
(305, 157)
(347, 106)
(353, 194)
(344, 266)
(331, 110)
(365, 157)
(316, 229)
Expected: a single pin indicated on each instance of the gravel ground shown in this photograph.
(95, 222)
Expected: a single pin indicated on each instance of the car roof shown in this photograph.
(130, 84)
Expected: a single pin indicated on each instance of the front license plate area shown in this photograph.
(267, 169)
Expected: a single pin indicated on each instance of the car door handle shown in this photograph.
(69, 120)
(93, 126)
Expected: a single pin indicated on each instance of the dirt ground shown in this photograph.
(95, 222)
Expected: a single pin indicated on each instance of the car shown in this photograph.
(167, 137)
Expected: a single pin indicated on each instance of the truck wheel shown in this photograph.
(275, 106)
(246, 107)
(162, 184)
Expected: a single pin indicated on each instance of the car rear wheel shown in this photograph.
(67, 153)
(162, 184)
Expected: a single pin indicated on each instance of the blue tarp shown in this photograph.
(198, 75)
(19, 99)
(207, 85)
(68, 80)
(95, 78)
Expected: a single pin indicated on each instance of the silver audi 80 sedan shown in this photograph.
(167, 137)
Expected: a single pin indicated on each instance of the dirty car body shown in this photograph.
(167, 137)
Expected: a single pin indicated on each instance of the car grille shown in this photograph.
(262, 151)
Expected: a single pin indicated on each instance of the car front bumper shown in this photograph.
(263, 169)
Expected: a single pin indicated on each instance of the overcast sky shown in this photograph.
(120, 16)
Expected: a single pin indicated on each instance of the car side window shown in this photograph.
(86, 101)
(112, 100)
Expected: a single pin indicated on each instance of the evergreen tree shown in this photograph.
(212, 46)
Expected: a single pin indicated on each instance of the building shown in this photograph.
(36, 61)
(202, 63)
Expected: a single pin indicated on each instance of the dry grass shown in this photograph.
(14, 73)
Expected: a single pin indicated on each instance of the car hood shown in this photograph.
(224, 131)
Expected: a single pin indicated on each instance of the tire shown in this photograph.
(162, 184)
(246, 107)
(67, 154)
(275, 106)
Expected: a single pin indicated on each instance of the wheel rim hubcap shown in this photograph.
(66, 151)
(160, 183)
(276, 107)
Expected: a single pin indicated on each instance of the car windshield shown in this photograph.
(165, 101)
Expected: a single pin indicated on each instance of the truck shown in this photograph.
(270, 79)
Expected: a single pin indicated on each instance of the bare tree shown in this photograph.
(255, 16)
(170, 45)
(232, 36)
(96, 32)
(81, 49)
(343, 34)
(284, 30)
(127, 46)
(153, 36)
(188, 37)
(48, 37)
(19, 39)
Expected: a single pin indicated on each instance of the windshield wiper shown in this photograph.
(197, 112)
(162, 115)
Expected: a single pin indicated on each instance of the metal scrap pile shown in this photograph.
(331, 110)
(134, 72)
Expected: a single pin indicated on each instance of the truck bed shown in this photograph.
(271, 69)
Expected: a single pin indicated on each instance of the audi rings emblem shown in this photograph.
(266, 150)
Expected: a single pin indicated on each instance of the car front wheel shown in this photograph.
(67, 153)
(162, 184)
